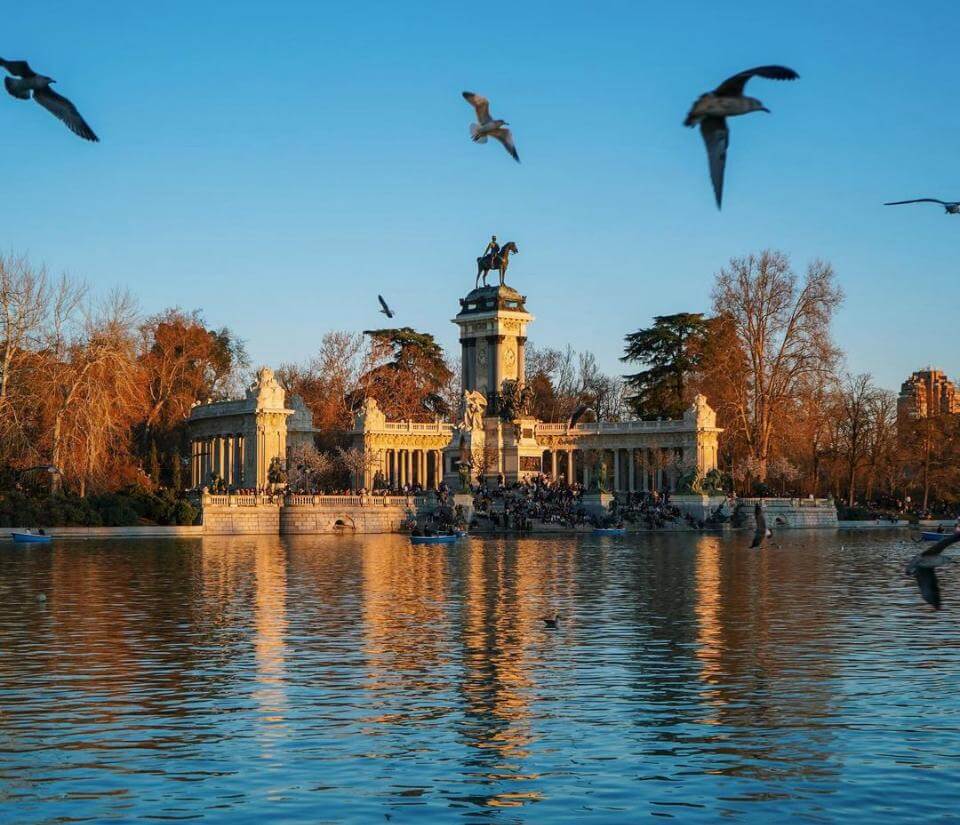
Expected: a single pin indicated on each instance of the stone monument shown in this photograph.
(495, 425)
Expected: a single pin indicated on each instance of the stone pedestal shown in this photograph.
(699, 506)
(596, 503)
(464, 500)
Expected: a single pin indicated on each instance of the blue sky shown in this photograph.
(277, 165)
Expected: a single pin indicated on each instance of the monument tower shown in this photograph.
(493, 335)
(495, 435)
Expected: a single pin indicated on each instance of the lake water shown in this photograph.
(326, 679)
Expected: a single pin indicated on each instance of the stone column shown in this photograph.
(521, 358)
(408, 466)
(616, 469)
(261, 479)
(570, 467)
(632, 454)
(242, 459)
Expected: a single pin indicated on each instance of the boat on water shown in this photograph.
(610, 531)
(933, 535)
(444, 538)
(31, 538)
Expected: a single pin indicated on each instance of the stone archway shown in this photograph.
(343, 524)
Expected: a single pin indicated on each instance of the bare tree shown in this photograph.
(783, 327)
(92, 389)
(855, 401)
(308, 469)
(355, 462)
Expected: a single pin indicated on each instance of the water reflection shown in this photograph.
(258, 677)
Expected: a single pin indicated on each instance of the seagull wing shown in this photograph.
(506, 138)
(716, 136)
(917, 200)
(480, 104)
(733, 86)
(20, 68)
(941, 545)
(62, 108)
(929, 585)
(578, 413)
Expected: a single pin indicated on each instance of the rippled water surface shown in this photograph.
(361, 679)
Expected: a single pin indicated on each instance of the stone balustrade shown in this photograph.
(612, 427)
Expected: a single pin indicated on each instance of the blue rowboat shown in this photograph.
(30, 538)
(445, 539)
(610, 531)
(933, 535)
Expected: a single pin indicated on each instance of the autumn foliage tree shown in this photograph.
(781, 325)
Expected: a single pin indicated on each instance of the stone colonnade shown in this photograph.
(220, 455)
(629, 469)
(402, 466)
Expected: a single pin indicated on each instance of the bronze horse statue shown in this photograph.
(500, 261)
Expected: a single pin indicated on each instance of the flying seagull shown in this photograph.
(579, 413)
(952, 207)
(712, 109)
(486, 126)
(384, 308)
(922, 568)
(762, 532)
(26, 80)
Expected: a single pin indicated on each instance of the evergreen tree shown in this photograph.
(671, 351)
(409, 380)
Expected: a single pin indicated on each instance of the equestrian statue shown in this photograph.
(495, 257)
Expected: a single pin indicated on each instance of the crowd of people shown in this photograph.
(519, 505)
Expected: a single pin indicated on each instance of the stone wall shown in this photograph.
(780, 512)
(262, 518)
(304, 514)
(793, 512)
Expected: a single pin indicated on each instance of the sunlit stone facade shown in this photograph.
(236, 440)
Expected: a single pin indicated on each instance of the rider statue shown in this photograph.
(493, 248)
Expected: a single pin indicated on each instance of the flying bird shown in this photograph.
(25, 80)
(951, 207)
(922, 568)
(579, 413)
(486, 126)
(762, 532)
(712, 109)
(384, 308)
